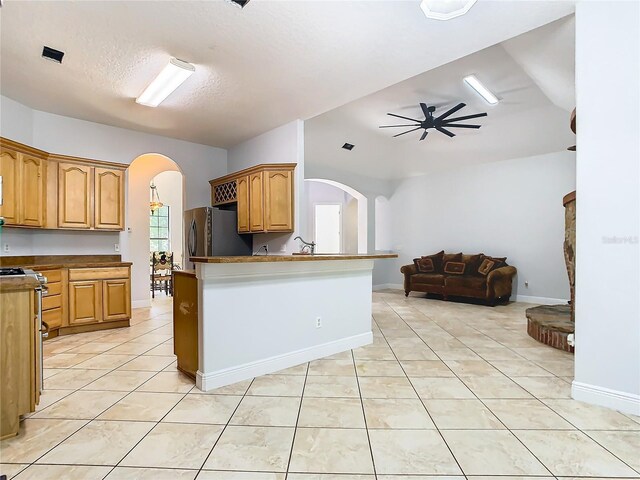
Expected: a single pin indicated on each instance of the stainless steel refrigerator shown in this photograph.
(211, 232)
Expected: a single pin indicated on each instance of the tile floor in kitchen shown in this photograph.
(446, 389)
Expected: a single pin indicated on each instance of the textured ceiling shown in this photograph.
(525, 123)
(257, 68)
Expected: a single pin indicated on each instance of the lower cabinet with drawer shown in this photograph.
(84, 299)
(98, 296)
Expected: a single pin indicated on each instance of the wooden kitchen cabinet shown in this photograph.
(85, 302)
(243, 204)
(278, 200)
(74, 195)
(256, 202)
(116, 299)
(264, 197)
(23, 181)
(99, 295)
(109, 199)
(9, 166)
(43, 190)
(19, 358)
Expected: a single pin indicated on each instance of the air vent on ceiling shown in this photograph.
(239, 3)
(52, 54)
(348, 146)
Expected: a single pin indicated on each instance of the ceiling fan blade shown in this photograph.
(451, 111)
(392, 126)
(453, 125)
(406, 118)
(466, 117)
(424, 135)
(408, 131)
(425, 110)
(445, 131)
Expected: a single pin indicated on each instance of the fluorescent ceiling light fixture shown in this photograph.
(170, 78)
(483, 91)
(446, 9)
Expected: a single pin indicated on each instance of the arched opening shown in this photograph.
(326, 201)
(136, 244)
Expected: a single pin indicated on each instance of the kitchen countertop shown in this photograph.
(52, 262)
(291, 258)
(14, 284)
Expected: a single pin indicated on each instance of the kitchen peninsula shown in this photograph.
(261, 314)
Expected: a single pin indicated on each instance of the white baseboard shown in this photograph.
(541, 300)
(140, 303)
(605, 397)
(386, 286)
(206, 382)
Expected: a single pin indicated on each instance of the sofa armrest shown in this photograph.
(408, 269)
(499, 282)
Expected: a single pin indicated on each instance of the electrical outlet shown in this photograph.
(526, 283)
(6, 248)
(318, 322)
(116, 247)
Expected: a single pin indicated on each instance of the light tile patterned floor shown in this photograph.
(447, 390)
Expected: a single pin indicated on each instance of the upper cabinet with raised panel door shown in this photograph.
(109, 199)
(264, 197)
(74, 195)
(42, 190)
(23, 180)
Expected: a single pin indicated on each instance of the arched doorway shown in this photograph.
(325, 201)
(136, 241)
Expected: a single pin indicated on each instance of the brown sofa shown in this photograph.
(457, 275)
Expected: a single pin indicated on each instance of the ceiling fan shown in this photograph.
(441, 123)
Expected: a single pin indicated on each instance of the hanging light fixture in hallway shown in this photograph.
(155, 202)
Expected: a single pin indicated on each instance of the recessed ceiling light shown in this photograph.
(348, 146)
(170, 78)
(239, 3)
(446, 9)
(52, 54)
(483, 91)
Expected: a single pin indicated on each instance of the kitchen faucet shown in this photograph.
(307, 247)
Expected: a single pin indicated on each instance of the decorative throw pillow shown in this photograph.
(424, 265)
(454, 268)
(451, 257)
(472, 262)
(436, 260)
(489, 264)
(486, 266)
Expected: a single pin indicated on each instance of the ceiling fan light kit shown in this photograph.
(446, 9)
(442, 123)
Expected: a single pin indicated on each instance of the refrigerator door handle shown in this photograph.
(193, 238)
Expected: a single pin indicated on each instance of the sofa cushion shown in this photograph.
(459, 281)
(436, 260)
(472, 262)
(454, 268)
(451, 257)
(424, 265)
(428, 278)
(489, 264)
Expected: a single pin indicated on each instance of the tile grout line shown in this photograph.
(364, 415)
(295, 429)
(474, 393)
(225, 427)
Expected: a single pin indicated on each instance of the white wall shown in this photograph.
(511, 208)
(169, 187)
(607, 358)
(284, 144)
(16, 121)
(70, 136)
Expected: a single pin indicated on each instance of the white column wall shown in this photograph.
(607, 358)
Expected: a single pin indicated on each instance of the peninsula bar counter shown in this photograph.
(261, 314)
